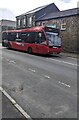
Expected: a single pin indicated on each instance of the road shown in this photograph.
(44, 86)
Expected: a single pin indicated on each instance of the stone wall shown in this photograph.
(70, 32)
(69, 36)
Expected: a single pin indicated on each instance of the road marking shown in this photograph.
(63, 62)
(46, 76)
(19, 108)
(12, 61)
(62, 109)
(64, 84)
(72, 58)
(60, 112)
(7, 60)
(32, 70)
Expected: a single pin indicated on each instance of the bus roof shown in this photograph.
(37, 28)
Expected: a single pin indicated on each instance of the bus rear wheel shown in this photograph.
(30, 50)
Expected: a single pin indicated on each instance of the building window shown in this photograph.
(38, 23)
(43, 23)
(18, 23)
(33, 20)
(30, 21)
(63, 26)
(24, 22)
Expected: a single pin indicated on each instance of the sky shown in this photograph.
(11, 8)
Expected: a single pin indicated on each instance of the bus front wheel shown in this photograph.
(8, 46)
(30, 50)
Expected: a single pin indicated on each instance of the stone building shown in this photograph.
(67, 21)
(6, 25)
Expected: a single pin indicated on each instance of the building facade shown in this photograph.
(29, 19)
(67, 21)
(6, 25)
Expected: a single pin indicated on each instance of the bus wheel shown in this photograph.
(8, 46)
(30, 50)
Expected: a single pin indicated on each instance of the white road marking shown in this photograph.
(7, 60)
(60, 112)
(12, 61)
(19, 108)
(64, 84)
(73, 58)
(46, 76)
(62, 109)
(63, 62)
(32, 70)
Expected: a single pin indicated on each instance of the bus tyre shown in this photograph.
(30, 50)
(8, 46)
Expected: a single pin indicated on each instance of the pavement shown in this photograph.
(8, 109)
(73, 55)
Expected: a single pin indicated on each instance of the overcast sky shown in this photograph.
(17, 7)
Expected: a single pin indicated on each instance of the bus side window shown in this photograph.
(41, 37)
(24, 36)
(11, 36)
(4, 36)
(31, 37)
(18, 37)
(28, 38)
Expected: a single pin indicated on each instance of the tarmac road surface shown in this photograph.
(45, 86)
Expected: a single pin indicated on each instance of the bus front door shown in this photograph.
(42, 48)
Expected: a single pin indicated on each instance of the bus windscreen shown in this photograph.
(50, 29)
(53, 36)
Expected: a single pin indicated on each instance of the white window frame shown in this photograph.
(63, 28)
(38, 23)
(18, 21)
(24, 22)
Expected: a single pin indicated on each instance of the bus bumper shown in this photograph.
(55, 50)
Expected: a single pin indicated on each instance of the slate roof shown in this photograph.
(37, 9)
(60, 14)
(33, 11)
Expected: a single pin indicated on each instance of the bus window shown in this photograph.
(23, 36)
(11, 36)
(4, 36)
(32, 37)
(52, 30)
(4, 39)
(53, 35)
(42, 39)
(18, 37)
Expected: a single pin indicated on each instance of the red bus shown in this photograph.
(41, 40)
